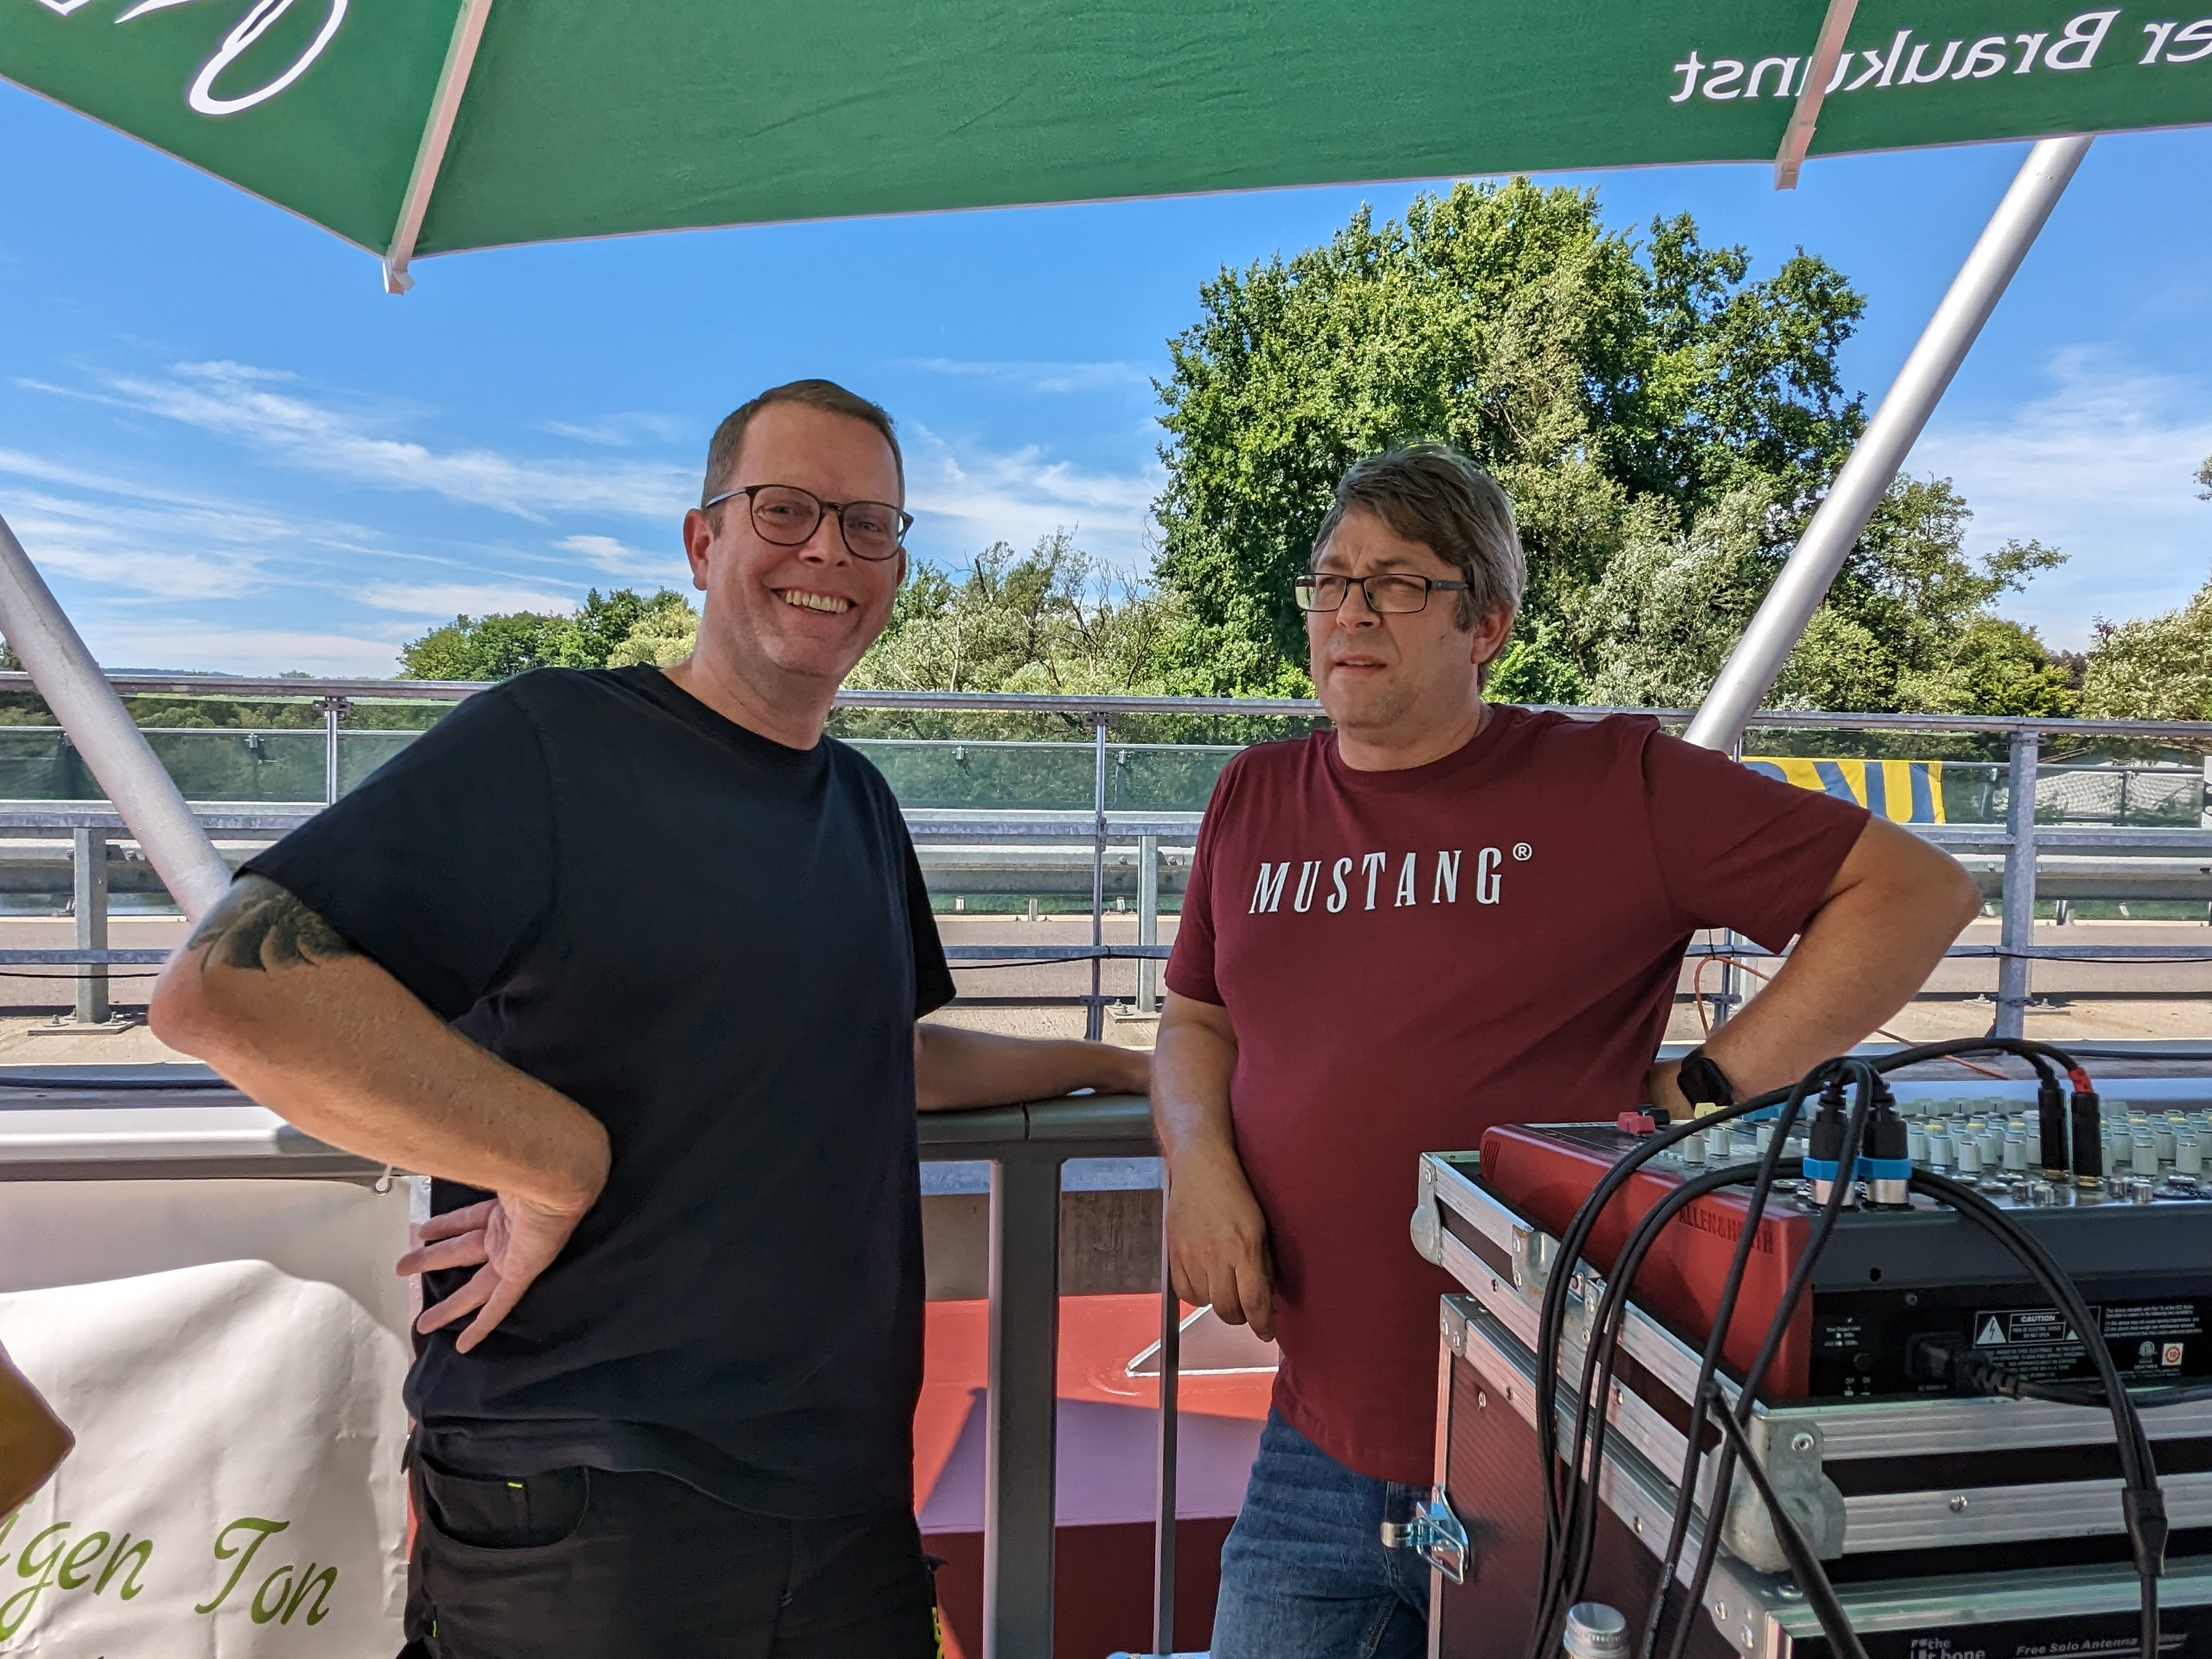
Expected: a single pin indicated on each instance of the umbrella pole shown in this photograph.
(1757, 660)
(143, 793)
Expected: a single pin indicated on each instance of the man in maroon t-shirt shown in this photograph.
(1442, 915)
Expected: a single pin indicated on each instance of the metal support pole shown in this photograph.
(2017, 930)
(1019, 1510)
(334, 710)
(1163, 1520)
(1148, 921)
(102, 730)
(90, 902)
(1750, 670)
(1094, 1023)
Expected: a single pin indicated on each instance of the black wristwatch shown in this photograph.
(1703, 1082)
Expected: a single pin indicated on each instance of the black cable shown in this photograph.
(110, 1085)
(1552, 1314)
(2194, 1055)
(1607, 1339)
(1969, 1371)
(1559, 1484)
(2141, 1501)
(1812, 1578)
(1709, 1362)
(1754, 1378)
(1560, 1587)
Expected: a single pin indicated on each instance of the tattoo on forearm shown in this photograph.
(259, 924)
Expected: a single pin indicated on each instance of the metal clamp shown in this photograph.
(1434, 1534)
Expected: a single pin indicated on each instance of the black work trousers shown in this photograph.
(581, 1564)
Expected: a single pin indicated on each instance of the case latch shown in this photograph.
(1432, 1532)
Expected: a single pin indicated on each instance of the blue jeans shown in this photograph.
(1304, 1574)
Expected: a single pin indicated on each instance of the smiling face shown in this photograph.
(1397, 686)
(789, 622)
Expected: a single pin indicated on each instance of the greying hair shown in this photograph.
(825, 395)
(1433, 494)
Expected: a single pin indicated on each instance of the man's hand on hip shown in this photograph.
(1217, 1240)
(509, 1239)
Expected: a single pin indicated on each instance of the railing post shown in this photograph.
(2017, 930)
(1094, 1021)
(1729, 976)
(1019, 1510)
(334, 710)
(1163, 1520)
(89, 899)
(1148, 921)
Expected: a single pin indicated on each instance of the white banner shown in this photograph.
(235, 1492)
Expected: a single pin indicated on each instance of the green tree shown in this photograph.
(2155, 668)
(494, 648)
(664, 636)
(1906, 625)
(2204, 479)
(1911, 588)
(1606, 386)
(1050, 620)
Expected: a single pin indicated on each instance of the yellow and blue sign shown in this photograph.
(1902, 791)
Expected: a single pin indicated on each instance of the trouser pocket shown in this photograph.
(499, 1512)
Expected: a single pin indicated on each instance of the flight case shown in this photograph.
(1485, 1480)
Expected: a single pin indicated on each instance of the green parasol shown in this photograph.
(426, 126)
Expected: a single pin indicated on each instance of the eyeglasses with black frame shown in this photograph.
(1389, 594)
(788, 516)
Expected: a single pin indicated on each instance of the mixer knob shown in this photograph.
(2145, 1149)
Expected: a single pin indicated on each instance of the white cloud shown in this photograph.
(189, 644)
(265, 409)
(443, 599)
(981, 497)
(1023, 374)
(618, 431)
(2101, 468)
(617, 559)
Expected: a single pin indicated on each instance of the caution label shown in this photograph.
(2146, 1339)
(2040, 1344)
(2010, 1327)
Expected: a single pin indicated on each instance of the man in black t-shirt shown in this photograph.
(630, 963)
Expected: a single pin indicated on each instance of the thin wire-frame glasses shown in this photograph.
(1387, 595)
(788, 516)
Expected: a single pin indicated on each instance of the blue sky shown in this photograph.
(229, 449)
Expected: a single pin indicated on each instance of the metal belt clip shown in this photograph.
(1433, 1533)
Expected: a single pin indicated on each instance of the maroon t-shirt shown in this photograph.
(1411, 956)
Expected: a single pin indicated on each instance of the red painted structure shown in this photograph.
(1108, 1422)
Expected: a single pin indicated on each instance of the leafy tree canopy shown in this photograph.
(2155, 668)
(1618, 392)
(493, 647)
(1052, 620)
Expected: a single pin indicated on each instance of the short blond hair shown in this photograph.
(729, 437)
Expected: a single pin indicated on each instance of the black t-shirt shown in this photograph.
(718, 946)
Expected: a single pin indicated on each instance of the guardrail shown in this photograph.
(2019, 840)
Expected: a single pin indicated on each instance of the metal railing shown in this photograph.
(1103, 826)
(1026, 1147)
